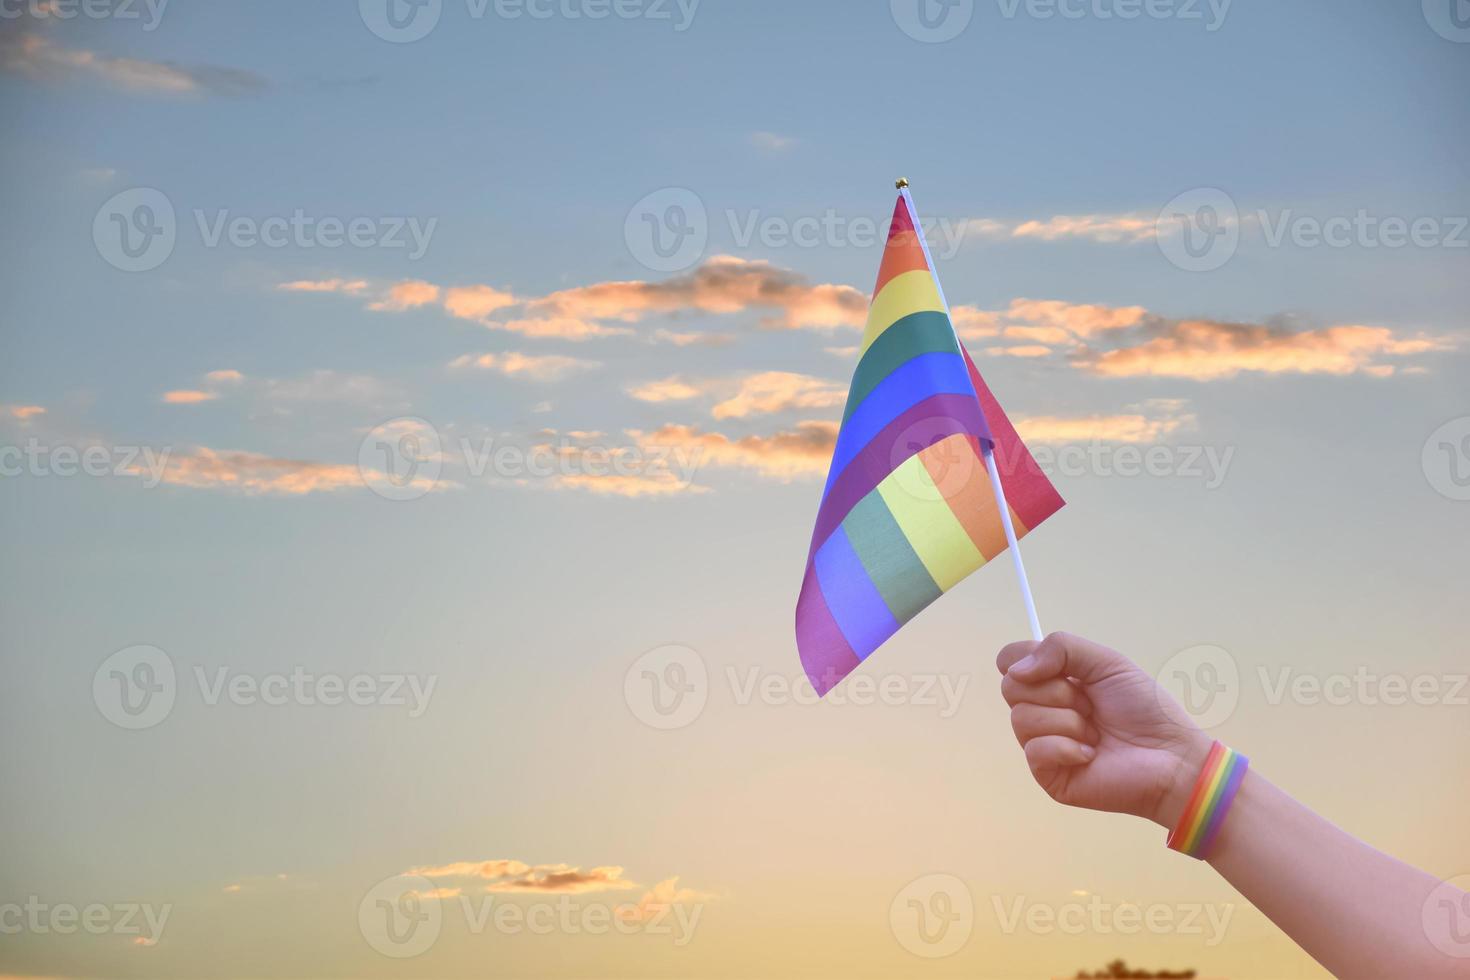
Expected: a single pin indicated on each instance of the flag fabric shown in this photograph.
(908, 510)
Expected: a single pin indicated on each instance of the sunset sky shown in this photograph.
(412, 421)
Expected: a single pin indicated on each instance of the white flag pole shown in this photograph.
(987, 450)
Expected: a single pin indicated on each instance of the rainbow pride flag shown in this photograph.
(908, 510)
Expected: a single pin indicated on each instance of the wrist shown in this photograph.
(1189, 759)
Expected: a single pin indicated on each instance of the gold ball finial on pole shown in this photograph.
(901, 183)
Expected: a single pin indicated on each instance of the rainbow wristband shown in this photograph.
(1204, 813)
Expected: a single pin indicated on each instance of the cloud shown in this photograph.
(722, 285)
(1081, 319)
(1106, 228)
(779, 391)
(534, 367)
(324, 286)
(254, 474)
(476, 302)
(561, 328)
(772, 142)
(225, 376)
(973, 323)
(1207, 350)
(25, 50)
(689, 338)
(22, 413)
(326, 385)
(188, 397)
(658, 899)
(657, 482)
(1021, 350)
(1149, 423)
(407, 295)
(505, 875)
(804, 451)
(671, 389)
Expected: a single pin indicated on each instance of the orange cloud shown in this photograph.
(802, 452)
(671, 389)
(407, 295)
(476, 302)
(253, 474)
(722, 285)
(535, 367)
(779, 391)
(973, 323)
(1021, 350)
(1081, 319)
(658, 899)
(517, 876)
(324, 286)
(561, 328)
(22, 413)
(1153, 421)
(1206, 350)
(25, 51)
(1125, 228)
(185, 397)
(226, 376)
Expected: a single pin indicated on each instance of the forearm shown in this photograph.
(1357, 911)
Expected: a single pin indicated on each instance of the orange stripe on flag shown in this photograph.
(959, 473)
(903, 254)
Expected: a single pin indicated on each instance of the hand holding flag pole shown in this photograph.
(906, 513)
(987, 448)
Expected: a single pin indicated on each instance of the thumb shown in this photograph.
(1065, 655)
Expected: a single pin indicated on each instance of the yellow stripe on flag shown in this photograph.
(912, 292)
(924, 516)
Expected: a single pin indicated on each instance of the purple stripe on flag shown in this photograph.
(932, 419)
(853, 599)
(940, 373)
(825, 653)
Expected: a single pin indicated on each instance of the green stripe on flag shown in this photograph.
(915, 334)
(891, 562)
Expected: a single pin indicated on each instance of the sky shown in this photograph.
(413, 416)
